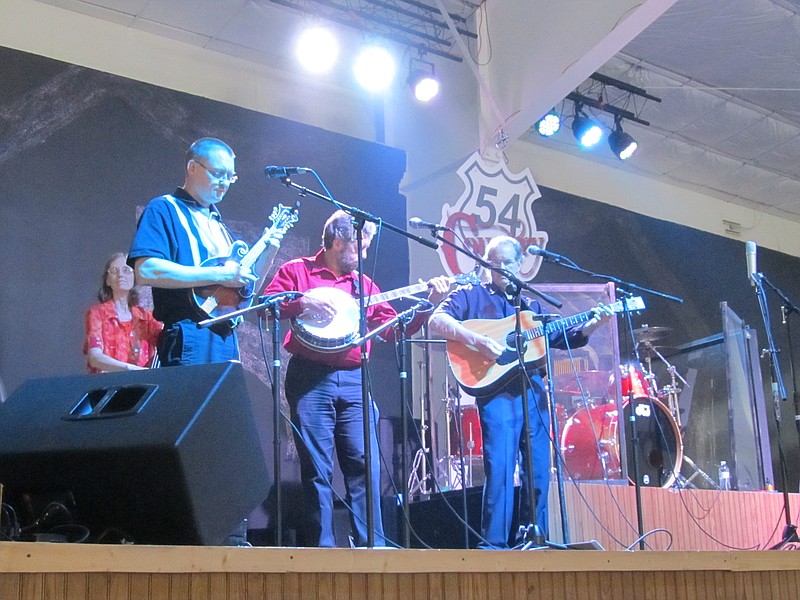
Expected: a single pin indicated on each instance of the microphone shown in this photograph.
(418, 223)
(545, 254)
(752, 271)
(279, 297)
(274, 172)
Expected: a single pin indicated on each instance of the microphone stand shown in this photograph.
(273, 303)
(533, 537)
(565, 262)
(778, 393)
(637, 485)
(405, 397)
(560, 260)
(360, 217)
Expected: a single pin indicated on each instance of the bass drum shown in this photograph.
(589, 443)
(660, 447)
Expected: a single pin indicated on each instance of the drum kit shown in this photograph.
(589, 437)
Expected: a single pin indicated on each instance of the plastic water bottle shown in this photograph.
(724, 476)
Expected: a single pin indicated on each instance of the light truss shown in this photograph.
(409, 22)
(620, 100)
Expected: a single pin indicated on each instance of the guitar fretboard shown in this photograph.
(558, 325)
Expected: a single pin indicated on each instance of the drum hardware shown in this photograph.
(683, 483)
(670, 394)
(645, 333)
(465, 439)
(581, 389)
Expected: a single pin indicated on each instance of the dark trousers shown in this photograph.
(327, 411)
(501, 425)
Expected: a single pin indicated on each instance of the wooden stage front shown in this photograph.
(34, 571)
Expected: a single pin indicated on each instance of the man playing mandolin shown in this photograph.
(323, 377)
(500, 404)
(182, 248)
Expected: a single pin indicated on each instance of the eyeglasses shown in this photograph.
(220, 175)
(504, 264)
(120, 271)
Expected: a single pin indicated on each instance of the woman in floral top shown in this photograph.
(120, 334)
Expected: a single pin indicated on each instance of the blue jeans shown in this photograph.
(327, 410)
(183, 343)
(501, 425)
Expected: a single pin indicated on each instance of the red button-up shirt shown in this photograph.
(303, 274)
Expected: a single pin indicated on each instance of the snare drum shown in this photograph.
(633, 383)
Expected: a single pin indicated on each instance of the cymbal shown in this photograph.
(647, 333)
(595, 383)
(649, 351)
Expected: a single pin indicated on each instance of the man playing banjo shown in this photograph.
(323, 379)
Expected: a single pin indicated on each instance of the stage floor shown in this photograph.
(715, 552)
(39, 571)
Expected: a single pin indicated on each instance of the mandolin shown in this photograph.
(217, 300)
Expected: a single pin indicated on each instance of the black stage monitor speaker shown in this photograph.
(164, 456)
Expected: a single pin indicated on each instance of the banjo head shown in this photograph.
(335, 335)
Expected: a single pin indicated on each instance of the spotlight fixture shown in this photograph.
(586, 131)
(622, 144)
(549, 124)
(422, 79)
(374, 69)
(317, 49)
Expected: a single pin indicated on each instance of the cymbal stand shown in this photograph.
(423, 468)
(672, 390)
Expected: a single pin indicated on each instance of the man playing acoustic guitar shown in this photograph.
(500, 404)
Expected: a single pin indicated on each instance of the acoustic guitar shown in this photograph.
(481, 376)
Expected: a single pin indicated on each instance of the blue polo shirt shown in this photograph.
(167, 230)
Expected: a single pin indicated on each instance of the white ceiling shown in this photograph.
(726, 71)
(729, 121)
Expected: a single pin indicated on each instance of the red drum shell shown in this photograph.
(469, 428)
(633, 382)
(588, 434)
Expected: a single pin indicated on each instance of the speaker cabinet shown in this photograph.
(164, 456)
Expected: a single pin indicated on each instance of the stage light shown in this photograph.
(622, 144)
(549, 124)
(422, 80)
(374, 69)
(317, 49)
(586, 131)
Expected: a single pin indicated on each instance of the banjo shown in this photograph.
(342, 330)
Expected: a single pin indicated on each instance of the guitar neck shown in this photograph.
(398, 293)
(258, 248)
(559, 325)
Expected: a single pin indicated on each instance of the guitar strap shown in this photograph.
(189, 233)
(213, 233)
